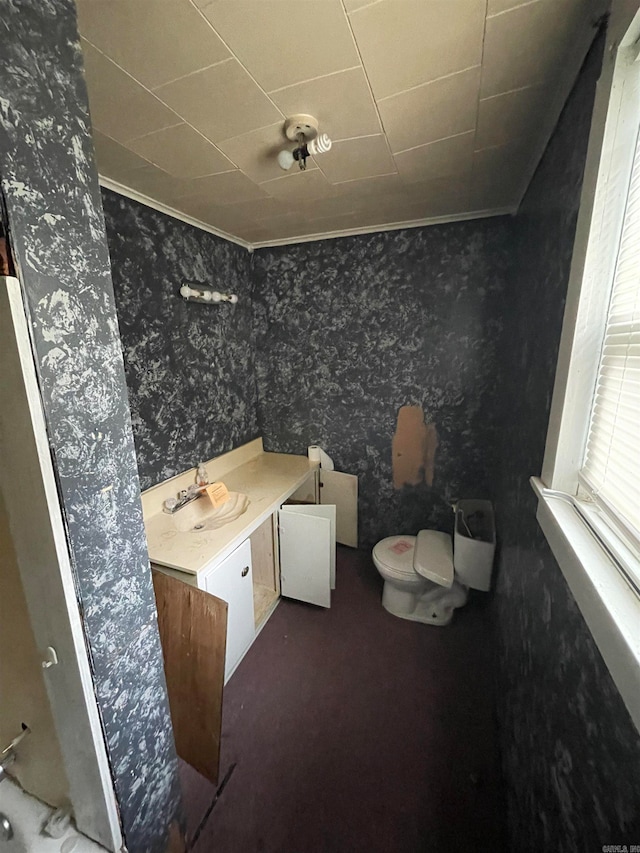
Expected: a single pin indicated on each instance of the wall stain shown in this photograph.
(413, 448)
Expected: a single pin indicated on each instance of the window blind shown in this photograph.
(611, 467)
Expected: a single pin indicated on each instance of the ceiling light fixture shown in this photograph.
(302, 129)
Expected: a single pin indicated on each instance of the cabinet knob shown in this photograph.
(245, 571)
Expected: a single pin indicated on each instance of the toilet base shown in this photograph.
(434, 606)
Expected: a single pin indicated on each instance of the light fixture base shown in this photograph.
(295, 125)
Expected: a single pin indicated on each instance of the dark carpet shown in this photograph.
(353, 730)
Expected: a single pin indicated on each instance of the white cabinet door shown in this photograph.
(232, 581)
(308, 553)
(342, 491)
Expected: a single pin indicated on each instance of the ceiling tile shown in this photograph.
(252, 233)
(504, 118)
(357, 158)
(220, 102)
(113, 159)
(336, 222)
(219, 216)
(176, 40)
(120, 107)
(331, 206)
(495, 7)
(365, 187)
(256, 152)
(284, 226)
(427, 113)
(166, 149)
(284, 42)
(412, 42)
(260, 208)
(436, 159)
(156, 184)
(527, 44)
(342, 103)
(226, 188)
(499, 173)
(300, 187)
(354, 5)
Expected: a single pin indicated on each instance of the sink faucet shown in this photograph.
(185, 497)
(8, 754)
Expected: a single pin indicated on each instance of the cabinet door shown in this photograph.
(307, 553)
(232, 581)
(193, 629)
(342, 491)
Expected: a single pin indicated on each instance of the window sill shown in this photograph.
(610, 607)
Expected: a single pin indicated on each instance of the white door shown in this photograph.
(27, 480)
(308, 553)
(341, 490)
(232, 581)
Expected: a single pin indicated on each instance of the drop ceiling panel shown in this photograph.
(165, 149)
(357, 158)
(434, 109)
(220, 102)
(437, 159)
(527, 45)
(120, 107)
(305, 40)
(300, 186)
(149, 37)
(412, 42)
(226, 188)
(341, 102)
(114, 158)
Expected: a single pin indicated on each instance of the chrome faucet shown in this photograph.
(8, 754)
(185, 497)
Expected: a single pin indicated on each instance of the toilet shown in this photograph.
(426, 577)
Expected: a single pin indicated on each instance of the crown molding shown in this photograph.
(124, 190)
(121, 189)
(388, 226)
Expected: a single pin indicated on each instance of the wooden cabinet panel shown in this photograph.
(193, 630)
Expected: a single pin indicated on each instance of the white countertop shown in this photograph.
(268, 479)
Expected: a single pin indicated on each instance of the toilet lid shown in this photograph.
(396, 553)
(433, 557)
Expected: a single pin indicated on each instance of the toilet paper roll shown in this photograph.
(317, 454)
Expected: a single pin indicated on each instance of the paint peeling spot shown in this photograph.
(413, 448)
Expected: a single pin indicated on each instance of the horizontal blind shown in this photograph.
(611, 467)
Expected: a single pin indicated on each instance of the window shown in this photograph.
(589, 490)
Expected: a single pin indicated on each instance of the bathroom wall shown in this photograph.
(56, 227)
(189, 367)
(571, 754)
(350, 330)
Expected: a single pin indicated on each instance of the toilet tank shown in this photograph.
(474, 543)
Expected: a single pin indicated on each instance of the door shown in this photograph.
(232, 581)
(193, 631)
(341, 490)
(308, 553)
(27, 480)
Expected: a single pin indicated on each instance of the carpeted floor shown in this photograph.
(352, 730)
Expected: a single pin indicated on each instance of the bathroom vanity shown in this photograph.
(282, 543)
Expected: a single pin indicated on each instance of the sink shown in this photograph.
(202, 515)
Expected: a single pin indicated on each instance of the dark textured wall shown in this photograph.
(57, 230)
(350, 330)
(571, 753)
(190, 367)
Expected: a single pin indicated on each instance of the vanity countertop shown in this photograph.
(268, 479)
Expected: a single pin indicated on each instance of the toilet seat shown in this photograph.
(395, 556)
(433, 557)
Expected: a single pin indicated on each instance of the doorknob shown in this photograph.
(245, 571)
